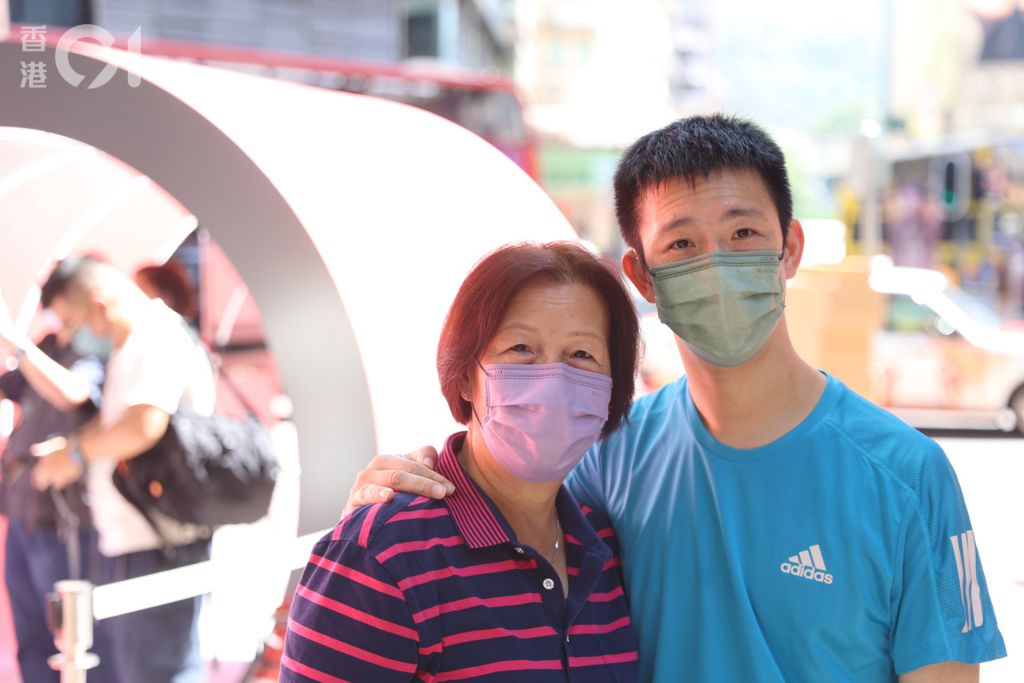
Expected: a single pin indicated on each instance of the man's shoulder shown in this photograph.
(651, 413)
(667, 397)
(884, 440)
(159, 324)
(377, 527)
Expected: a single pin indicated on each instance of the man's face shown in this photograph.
(75, 315)
(66, 317)
(731, 210)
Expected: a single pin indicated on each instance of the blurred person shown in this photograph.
(507, 574)
(169, 282)
(153, 366)
(57, 385)
(774, 525)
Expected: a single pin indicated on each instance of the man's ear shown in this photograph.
(637, 274)
(794, 251)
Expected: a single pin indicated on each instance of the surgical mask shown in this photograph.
(541, 419)
(723, 305)
(85, 343)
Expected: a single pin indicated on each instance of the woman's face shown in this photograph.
(548, 323)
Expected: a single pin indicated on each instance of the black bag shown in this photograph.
(206, 470)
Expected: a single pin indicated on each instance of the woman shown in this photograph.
(507, 577)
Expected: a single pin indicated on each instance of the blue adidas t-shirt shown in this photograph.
(842, 551)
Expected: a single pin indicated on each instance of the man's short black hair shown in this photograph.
(68, 274)
(693, 148)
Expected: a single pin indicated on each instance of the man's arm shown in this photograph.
(59, 386)
(131, 436)
(943, 672)
(135, 433)
(386, 474)
(944, 623)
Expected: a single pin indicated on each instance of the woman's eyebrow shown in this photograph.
(587, 333)
(518, 326)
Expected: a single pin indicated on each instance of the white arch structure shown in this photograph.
(352, 220)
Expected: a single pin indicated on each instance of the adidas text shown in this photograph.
(809, 573)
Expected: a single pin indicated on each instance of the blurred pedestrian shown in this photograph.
(57, 385)
(154, 365)
(170, 283)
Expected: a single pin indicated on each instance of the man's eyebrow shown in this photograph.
(742, 212)
(675, 223)
(729, 214)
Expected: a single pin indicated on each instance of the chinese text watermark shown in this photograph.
(34, 39)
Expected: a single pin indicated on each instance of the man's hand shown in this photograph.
(386, 474)
(55, 466)
(9, 335)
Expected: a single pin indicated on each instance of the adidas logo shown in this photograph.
(807, 564)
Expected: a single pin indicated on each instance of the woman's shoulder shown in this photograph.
(374, 528)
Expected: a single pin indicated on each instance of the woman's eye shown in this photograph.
(582, 354)
(519, 348)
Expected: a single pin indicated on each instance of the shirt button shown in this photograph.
(548, 584)
(520, 550)
(566, 638)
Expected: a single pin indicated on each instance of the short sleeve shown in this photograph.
(349, 621)
(941, 604)
(160, 371)
(12, 384)
(584, 482)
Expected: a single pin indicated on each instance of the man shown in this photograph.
(774, 525)
(153, 366)
(57, 388)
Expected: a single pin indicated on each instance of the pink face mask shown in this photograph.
(541, 419)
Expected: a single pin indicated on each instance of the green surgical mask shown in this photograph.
(723, 305)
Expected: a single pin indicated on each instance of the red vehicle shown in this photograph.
(486, 104)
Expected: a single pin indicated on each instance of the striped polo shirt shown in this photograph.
(426, 590)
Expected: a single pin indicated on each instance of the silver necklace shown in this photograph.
(558, 542)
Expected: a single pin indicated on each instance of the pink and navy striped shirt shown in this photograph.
(424, 590)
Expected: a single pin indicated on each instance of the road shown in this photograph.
(991, 473)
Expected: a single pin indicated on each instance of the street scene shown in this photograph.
(568, 340)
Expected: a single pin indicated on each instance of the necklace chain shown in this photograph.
(557, 543)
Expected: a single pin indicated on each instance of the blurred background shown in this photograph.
(902, 122)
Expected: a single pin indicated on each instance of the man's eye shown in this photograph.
(681, 244)
(744, 233)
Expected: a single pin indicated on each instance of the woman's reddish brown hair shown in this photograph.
(484, 298)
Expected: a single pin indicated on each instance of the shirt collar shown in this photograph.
(478, 519)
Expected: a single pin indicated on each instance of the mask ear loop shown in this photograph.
(471, 406)
(782, 281)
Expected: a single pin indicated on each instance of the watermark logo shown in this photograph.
(34, 73)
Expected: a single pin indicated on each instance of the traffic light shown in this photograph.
(951, 184)
(949, 193)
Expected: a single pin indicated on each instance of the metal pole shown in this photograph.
(70, 617)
